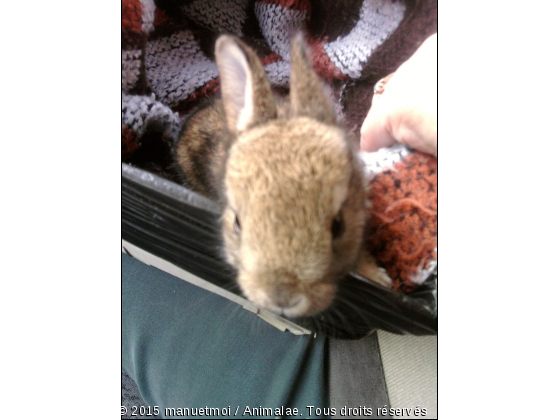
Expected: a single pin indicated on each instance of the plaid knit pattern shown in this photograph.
(168, 69)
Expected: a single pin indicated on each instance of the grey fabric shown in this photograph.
(131, 400)
(356, 377)
(410, 365)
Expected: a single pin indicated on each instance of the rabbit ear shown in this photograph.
(246, 94)
(307, 93)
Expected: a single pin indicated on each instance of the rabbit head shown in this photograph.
(292, 185)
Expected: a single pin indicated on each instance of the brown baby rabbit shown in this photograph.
(287, 176)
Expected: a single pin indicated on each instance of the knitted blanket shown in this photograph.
(168, 69)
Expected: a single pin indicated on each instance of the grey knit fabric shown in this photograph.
(130, 398)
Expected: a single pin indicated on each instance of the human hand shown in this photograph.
(406, 109)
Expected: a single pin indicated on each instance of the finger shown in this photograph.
(375, 132)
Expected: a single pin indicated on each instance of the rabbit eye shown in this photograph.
(337, 228)
(237, 225)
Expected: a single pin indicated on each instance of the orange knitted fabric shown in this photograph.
(131, 16)
(402, 229)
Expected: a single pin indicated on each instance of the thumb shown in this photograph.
(375, 131)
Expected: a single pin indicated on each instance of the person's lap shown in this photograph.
(188, 348)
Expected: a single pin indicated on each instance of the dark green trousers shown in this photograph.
(187, 348)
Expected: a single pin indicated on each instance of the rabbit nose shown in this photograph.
(283, 298)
